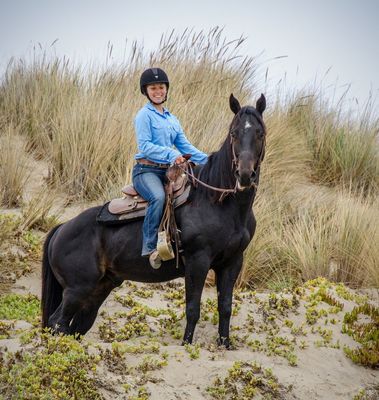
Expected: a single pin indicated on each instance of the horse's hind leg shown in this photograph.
(52, 322)
(72, 300)
(85, 317)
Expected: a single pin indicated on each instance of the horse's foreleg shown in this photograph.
(226, 278)
(195, 275)
(85, 317)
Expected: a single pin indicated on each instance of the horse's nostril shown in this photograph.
(253, 175)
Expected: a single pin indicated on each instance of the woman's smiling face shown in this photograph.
(157, 92)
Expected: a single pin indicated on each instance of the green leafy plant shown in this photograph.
(365, 333)
(61, 368)
(193, 350)
(245, 380)
(16, 307)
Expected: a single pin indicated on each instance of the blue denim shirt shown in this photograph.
(157, 134)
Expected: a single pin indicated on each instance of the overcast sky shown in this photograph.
(342, 35)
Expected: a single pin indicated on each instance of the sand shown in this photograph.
(310, 365)
(321, 371)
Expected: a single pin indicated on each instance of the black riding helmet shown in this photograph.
(153, 75)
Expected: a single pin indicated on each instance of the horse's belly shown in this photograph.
(139, 270)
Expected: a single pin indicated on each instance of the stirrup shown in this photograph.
(164, 246)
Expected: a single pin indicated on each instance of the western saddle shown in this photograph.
(132, 205)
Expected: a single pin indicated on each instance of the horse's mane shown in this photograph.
(217, 172)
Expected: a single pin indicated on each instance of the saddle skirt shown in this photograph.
(132, 206)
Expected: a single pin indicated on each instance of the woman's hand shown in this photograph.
(180, 160)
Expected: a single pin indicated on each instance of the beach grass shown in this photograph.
(316, 209)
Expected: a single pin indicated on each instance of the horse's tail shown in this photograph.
(51, 289)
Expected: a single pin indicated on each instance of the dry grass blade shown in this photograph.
(14, 170)
(36, 214)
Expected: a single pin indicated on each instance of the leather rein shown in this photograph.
(216, 189)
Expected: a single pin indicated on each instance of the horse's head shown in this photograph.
(247, 135)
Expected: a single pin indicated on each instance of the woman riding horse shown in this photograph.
(157, 131)
(83, 260)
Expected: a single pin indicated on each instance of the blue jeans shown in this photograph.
(148, 182)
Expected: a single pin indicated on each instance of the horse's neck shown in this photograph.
(218, 172)
(244, 199)
(220, 169)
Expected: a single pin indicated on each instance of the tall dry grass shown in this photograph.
(344, 150)
(83, 122)
(40, 211)
(316, 208)
(312, 231)
(32, 95)
(14, 169)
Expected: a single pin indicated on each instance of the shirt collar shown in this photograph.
(152, 108)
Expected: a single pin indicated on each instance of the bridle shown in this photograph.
(260, 158)
(226, 191)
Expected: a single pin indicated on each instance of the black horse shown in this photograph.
(83, 260)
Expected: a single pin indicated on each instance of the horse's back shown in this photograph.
(76, 229)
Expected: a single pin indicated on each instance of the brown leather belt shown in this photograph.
(144, 161)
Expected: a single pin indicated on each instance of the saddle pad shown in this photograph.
(107, 218)
(125, 213)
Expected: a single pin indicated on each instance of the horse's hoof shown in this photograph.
(54, 330)
(224, 341)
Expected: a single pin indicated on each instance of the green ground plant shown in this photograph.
(246, 380)
(5, 329)
(19, 307)
(193, 350)
(19, 249)
(124, 325)
(364, 332)
(61, 368)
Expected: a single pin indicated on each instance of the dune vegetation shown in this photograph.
(67, 142)
(317, 206)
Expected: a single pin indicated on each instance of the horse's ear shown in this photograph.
(234, 104)
(261, 104)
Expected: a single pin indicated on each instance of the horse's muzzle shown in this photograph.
(246, 171)
(245, 179)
